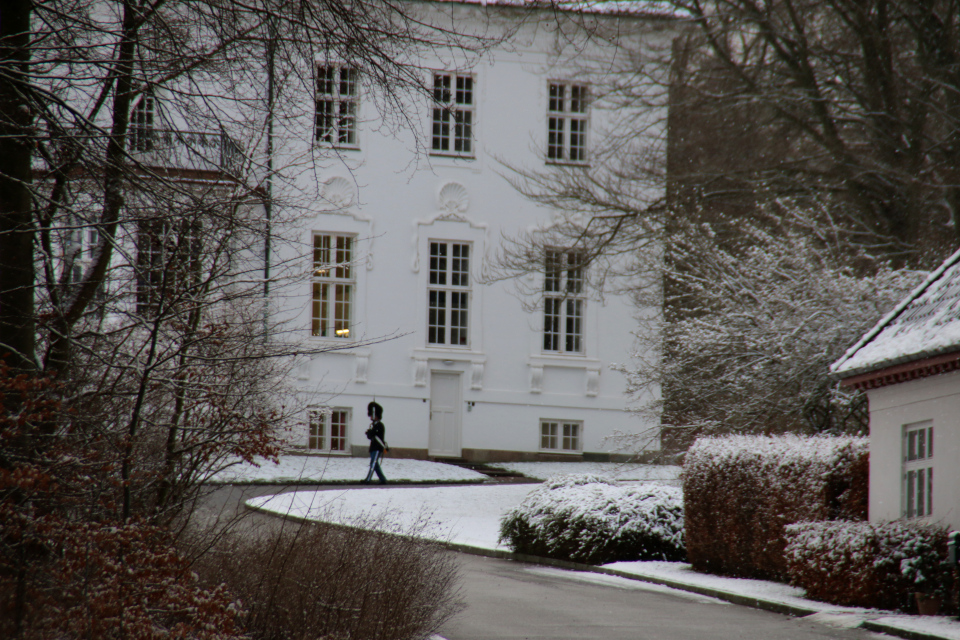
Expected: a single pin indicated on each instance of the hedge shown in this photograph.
(741, 491)
(589, 519)
(868, 564)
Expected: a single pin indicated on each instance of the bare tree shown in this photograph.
(140, 198)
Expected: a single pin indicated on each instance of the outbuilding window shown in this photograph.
(918, 469)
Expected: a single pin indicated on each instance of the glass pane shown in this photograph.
(556, 97)
(921, 444)
(911, 488)
(921, 491)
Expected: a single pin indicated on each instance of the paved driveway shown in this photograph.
(512, 600)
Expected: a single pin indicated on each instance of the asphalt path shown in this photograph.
(512, 600)
(507, 600)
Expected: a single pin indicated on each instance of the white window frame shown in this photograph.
(918, 452)
(568, 114)
(333, 286)
(453, 114)
(337, 106)
(561, 436)
(449, 293)
(564, 301)
(143, 119)
(321, 422)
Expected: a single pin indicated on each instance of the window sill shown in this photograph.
(459, 354)
(567, 163)
(572, 360)
(452, 156)
(561, 452)
(336, 147)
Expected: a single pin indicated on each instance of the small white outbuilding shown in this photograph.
(909, 367)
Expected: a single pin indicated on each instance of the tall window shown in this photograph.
(328, 430)
(918, 469)
(448, 294)
(563, 302)
(141, 124)
(337, 101)
(333, 284)
(453, 114)
(567, 122)
(560, 436)
(168, 262)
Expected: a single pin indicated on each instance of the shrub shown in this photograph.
(868, 564)
(590, 519)
(741, 491)
(329, 581)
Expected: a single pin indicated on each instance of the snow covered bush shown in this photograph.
(740, 491)
(587, 518)
(868, 564)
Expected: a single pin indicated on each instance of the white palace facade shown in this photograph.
(403, 229)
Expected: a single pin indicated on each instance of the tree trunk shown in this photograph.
(17, 316)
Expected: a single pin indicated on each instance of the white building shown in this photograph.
(400, 235)
(909, 366)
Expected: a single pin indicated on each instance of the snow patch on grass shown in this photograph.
(627, 471)
(306, 469)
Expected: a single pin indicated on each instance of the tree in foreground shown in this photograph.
(139, 202)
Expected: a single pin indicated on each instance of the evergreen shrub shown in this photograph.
(868, 564)
(589, 519)
(741, 491)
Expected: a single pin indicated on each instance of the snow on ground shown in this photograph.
(295, 469)
(464, 515)
(470, 515)
(614, 470)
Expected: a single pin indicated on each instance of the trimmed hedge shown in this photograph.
(741, 491)
(868, 564)
(589, 519)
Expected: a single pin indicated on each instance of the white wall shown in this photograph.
(937, 399)
(389, 197)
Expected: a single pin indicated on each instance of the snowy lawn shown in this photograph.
(470, 515)
(331, 470)
(669, 474)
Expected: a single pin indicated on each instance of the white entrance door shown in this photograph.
(444, 414)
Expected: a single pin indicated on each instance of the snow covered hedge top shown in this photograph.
(926, 323)
(816, 455)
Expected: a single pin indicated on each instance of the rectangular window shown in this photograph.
(333, 285)
(141, 124)
(567, 122)
(918, 470)
(168, 263)
(328, 430)
(563, 437)
(337, 105)
(453, 114)
(448, 294)
(563, 301)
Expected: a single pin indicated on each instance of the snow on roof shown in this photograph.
(926, 323)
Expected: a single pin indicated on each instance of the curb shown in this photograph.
(734, 598)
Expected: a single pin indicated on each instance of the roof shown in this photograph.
(925, 324)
